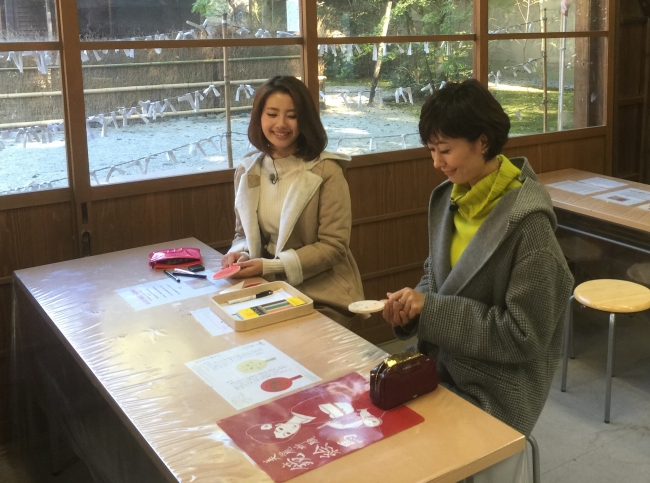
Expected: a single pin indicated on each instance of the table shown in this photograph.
(611, 239)
(114, 381)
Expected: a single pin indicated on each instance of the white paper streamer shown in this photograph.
(171, 157)
(428, 86)
(426, 47)
(111, 171)
(409, 51)
(126, 115)
(211, 88)
(374, 52)
(246, 89)
(403, 141)
(17, 59)
(345, 96)
(167, 104)
(399, 92)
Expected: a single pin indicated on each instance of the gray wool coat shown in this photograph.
(494, 323)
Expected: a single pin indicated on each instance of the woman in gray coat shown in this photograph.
(491, 304)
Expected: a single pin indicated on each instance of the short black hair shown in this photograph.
(312, 138)
(465, 110)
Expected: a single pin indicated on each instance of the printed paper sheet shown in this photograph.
(166, 290)
(252, 373)
(209, 320)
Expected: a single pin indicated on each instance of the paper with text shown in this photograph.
(251, 373)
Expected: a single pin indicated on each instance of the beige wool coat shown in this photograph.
(315, 226)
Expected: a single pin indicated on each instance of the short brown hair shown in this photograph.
(465, 110)
(312, 138)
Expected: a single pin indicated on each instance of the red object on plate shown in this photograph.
(277, 384)
(310, 428)
(226, 272)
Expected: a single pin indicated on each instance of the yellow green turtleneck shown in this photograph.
(476, 202)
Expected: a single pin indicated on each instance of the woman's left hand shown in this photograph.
(402, 306)
(250, 268)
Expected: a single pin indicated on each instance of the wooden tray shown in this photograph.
(219, 306)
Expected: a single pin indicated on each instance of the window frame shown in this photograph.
(69, 45)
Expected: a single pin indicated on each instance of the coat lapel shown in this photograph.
(441, 226)
(486, 241)
(246, 203)
(301, 191)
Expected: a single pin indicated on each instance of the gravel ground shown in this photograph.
(140, 151)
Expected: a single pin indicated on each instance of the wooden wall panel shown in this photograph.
(385, 188)
(5, 401)
(629, 140)
(30, 236)
(533, 153)
(588, 154)
(205, 212)
(390, 243)
(631, 61)
(5, 340)
(34, 236)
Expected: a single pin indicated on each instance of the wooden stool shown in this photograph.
(615, 297)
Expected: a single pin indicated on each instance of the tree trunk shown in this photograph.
(375, 76)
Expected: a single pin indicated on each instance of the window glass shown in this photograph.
(152, 114)
(519, 16)
(362, 18)
(25, 21)
(32, 140)
(360, 118)
(187, 19)
(575, 83)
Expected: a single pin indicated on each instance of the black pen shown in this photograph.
(190, 274)
(171, 276)
(266, 293)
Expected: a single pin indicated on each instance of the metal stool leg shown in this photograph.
(610, 364)
(568, 332)
(535, 452)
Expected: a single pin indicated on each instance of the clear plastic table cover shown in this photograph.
(114, 380)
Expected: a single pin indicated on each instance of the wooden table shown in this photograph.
(613, 238)
(114, 380)
(625, 216)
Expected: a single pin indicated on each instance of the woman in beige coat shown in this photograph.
(292, 202)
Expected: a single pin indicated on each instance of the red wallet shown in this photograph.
(174, 257)
(402, 377)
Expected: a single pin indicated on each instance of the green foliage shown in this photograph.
(208, 8)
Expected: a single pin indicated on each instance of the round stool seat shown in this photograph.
(617, 296)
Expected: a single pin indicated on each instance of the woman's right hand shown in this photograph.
(229, 259)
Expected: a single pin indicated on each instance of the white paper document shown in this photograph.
(251, 373)
(622, 197)
(211, 322)
(603, 182)
(166, 290)
(633, 193)
(577, 187)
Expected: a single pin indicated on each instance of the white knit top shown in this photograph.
(272, 197)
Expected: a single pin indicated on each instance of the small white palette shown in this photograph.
(366, 306)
